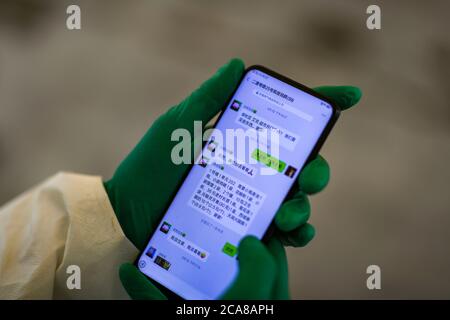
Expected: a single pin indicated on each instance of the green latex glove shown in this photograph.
(263, 274)
(146, 181)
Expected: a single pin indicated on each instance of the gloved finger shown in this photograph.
(205, 102)
(315, 176)
(293, 213)
(344, 96)
(281, 284)
(298, 237)
(137, 285)
(257, 270)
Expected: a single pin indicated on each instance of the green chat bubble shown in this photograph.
(268, 160)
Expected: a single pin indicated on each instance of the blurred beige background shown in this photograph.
(80, 100)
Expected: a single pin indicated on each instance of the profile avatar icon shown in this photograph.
(165, 227)
(235, 105)
(290, 171)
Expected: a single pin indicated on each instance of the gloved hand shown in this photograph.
(263, 274)
(145, 182)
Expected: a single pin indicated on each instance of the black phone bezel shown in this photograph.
(314, 152)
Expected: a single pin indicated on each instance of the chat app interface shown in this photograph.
(225, 197)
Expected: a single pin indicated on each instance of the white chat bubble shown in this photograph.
(226, 200)
(222, 156)
(250, 120)
(188, 246)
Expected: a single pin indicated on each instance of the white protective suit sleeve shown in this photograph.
(67, 220)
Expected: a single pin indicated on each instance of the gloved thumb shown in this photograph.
(257, 269)
(137, 285)
(205, 102)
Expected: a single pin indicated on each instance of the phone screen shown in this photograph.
(229, 194)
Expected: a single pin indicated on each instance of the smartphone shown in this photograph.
(193, 252)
